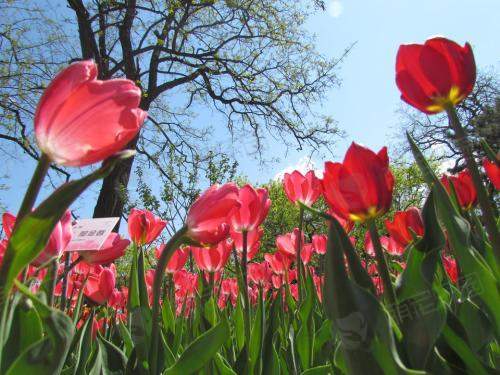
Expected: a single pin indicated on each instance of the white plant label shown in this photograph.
(90, 234)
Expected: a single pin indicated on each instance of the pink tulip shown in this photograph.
(113, 248)
(144, 227)
(99, 286)
(287, 243)
(212, 259)
(8, 221)
(208, 218)
(319, 243)
(254, 207)
(81, 120)
(177, 260)
(278, 262)
(58, 241)
(299, 188)
(253, 242)
(259, 273)
(306, 253)
(388, 244)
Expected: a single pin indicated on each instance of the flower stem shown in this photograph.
(484, 203)
(174, 242)
(246, 300)
(383, 269)
(298, 252)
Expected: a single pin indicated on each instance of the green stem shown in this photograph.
(174, 242)
(52, 281)
(246, 300)
(298, 251)
(383, 268)
(484, 203)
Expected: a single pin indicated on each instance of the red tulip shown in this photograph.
(493, 172)
(360, 188)
(319, 243)
(253, 209)
(208, 218)
(450, 266)
(177, 260)
(113, 248)
(259, 273)
(346, 224)
(185, 283)
(144, 227)
(403, 224)
(99, 287)
(287, 243)
(253, 242)
(58, 241)
(212, 259)
(435, 75)
(299, 188)
(278, 262)
(464, 188)
(81, 120)
(3, 248)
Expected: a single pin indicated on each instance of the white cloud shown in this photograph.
(303, 165)
(335, 8)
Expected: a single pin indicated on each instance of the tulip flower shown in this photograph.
(287, 243)
(177, 260)
(81, 120)
(436, 75)
(259, 273)
(8, 221)
(450, 266)
(144, 227)
(212, 259)
(253, 242)
(253, 209)
(113, 248)
(99, 287)
(208, 218)
(306, 253)
(185, 283)
(493, 172)
(319, 243)
(403, 224)
(390, 245)
(360, 188)
(304, 189)
(464, 188)
(58, 241)
(278, 262)
(346, 224)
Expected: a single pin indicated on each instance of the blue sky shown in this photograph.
(365, 104)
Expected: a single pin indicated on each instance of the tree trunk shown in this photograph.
(112, 195)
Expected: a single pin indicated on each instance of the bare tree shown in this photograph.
(249, 61)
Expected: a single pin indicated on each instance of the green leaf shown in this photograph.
(257, 336)
(239, 325)
(306, 331)
(141, 335)
(423, 314)
(84, 347)
(45, 356)
(126, 337)
(25, 330)
(319, 370)
(201, 350)
(479, 277)
(114, 360)
(223, 366)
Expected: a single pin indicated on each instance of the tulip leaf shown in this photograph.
(34, 229)
(25, 330)
(305, 334)
(113, 359)
(319, 370)
(477, 276)
(239, 325)
(201, 350)
(47, 355)
(257, 335)
(423, 314)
